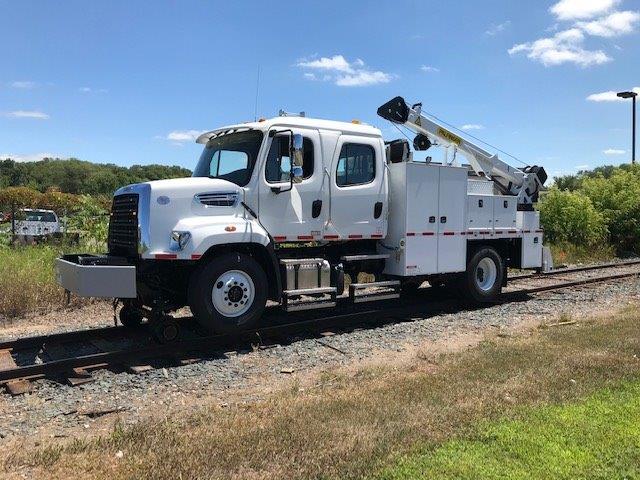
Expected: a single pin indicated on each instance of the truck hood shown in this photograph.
(181, 187)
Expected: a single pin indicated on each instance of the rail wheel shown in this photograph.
(228, 294)
(484, 277)
(165, 329)
(130, 317)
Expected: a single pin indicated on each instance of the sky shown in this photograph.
(133, 82)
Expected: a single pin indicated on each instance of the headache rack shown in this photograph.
(123, 225)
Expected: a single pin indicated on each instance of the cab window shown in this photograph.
(278, 167)
(356, 165)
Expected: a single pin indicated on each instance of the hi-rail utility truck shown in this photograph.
(281, 209)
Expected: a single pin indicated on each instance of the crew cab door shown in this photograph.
(358, 189)
(298, 214)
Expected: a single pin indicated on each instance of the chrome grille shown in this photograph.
(218, 199)
(123, 225)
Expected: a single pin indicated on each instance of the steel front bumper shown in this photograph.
(101, 276)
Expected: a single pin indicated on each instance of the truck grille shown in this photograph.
(123, 226)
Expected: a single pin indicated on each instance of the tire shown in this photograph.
(228, 294)
(482, 282)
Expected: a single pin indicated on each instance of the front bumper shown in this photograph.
(101, 276)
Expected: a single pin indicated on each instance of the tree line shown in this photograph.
(80, 177)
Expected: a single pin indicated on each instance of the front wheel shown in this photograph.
(228, 294)
(484, 277)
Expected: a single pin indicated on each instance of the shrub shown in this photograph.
(618, 198)
(571, 217)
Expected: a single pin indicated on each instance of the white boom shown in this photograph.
(524, 184)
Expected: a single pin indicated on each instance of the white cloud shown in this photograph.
(614, 151)
(495, 29)
(33, 157)
(23, 84)
(618, 23)
(92, 90)
(581, 9)
(609, 96)
(582, 167)
(181, 136)
(595, 18)
(429, 69)
(472, 126)
(27, 114)
(564, 47)
(343, 73)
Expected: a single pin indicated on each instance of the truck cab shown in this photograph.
(281, 209)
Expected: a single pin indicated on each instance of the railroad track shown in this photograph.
(72, 356)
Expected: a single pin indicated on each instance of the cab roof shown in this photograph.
(294, 122)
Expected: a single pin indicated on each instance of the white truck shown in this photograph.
(36, 224)
(281, 209)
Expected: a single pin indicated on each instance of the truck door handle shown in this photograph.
(443, 219)
(316, 208)
(432, 219)
(377, 210)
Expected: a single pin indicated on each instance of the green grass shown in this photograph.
(568, 253)
(598, 438)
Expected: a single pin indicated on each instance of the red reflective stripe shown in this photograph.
(448, 233)
(513, 231)
(539, 231)
(484, 233)
(279, 238)
(527, 231)
(463, 233)
(355, 236)
(166, 256)
(331, 237)
(427, 234)
(411, 234)
(305, 237)
(376, 235)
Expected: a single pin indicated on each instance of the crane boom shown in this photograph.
(525, 183)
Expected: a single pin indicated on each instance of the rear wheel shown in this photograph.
(484, 276)
(130, 317)
(228, 294)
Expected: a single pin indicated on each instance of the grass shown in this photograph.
(356, 426)
(597, 438)
(27, 280)
(568, 253)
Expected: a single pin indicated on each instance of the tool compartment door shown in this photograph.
(422, 219)
(452, 240)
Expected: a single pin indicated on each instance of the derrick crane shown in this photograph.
(523, 183)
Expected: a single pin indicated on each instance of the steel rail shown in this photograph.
(214, 343)
(114, 331)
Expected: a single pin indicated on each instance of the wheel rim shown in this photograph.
(233, 293)
(486, 274)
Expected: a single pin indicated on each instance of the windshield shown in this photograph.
(230, 157)
(36, 216)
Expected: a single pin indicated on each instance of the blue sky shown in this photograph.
(131, 82)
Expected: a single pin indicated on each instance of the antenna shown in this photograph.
(255, 110)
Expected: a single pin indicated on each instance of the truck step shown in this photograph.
(378, 291)
(323, 297)
(360, 258)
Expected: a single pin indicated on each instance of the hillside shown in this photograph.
(81, 177)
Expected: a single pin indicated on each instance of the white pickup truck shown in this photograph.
(281, 209)
(36, 224)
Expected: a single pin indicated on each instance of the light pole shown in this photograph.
(632, 95)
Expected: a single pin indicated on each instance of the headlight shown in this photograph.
(179, 240)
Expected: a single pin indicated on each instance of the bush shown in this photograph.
(571, 217)
(618, 199)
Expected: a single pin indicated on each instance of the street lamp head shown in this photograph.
(627, 94)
